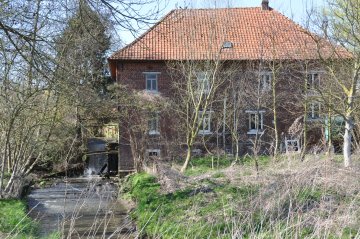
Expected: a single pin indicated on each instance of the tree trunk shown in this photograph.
(349, 125)
(274, 105)
(187, 160)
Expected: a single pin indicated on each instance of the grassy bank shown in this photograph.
(14, 223)
(287, 199)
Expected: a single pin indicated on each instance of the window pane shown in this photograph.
(252, 121)
(205, 123)
(151, 82)
(153, 123)
(255, 121)
(154, 85)
(148, 84)
(309, 81)
(203, 82)
(316, 110)
(316, 82)
(265, 81)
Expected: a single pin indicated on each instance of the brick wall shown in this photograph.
(288, 87)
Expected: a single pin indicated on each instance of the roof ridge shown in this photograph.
(170, 37)
(217, 8)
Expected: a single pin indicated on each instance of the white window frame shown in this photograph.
(149, 151)
(154, 117)
(265, 80)
(259, 116)
(312, 85)
(152, 88)
(203, 82)
(207, 117)
(311, 110)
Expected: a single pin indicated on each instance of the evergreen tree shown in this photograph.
(81, 64)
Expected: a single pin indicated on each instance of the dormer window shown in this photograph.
(227, 44)
(151, 81)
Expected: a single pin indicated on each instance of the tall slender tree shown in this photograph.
(81, 53)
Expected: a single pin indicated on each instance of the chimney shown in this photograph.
(265, 5)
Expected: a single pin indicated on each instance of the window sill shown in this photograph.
(253, 132)
(204, 132)
(314, 119)
(155, 92)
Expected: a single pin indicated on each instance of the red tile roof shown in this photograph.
(199, 34)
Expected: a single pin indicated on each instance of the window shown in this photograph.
(256, 121)
(153, 152)
(151, 81)
(265, 81)
(203, 82)
(227, 44)
(313, 80)
(205, 123)
(314, 110)
(153, 124)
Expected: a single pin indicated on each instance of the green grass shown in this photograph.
(13, 219)
(202, 165)
(185, 213)
(277, 205)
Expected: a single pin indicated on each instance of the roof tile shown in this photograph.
(198, 34)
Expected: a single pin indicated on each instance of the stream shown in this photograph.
(84, 207)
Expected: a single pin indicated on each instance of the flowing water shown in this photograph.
(85, 207)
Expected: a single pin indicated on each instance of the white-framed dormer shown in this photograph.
(151, 81)
(255, 121)
(204, 122)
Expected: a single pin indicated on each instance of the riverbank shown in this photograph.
(286, 199)
(14, 221)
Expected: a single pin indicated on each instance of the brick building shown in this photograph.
(259, 40)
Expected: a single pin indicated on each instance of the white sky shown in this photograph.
(294, 9)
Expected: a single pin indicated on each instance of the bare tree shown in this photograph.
(339, 26)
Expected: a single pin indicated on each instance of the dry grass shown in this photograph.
(288, 198)
(317, 198)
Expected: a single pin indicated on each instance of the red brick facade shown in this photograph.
(248, 37)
